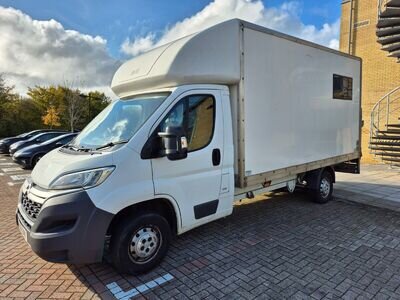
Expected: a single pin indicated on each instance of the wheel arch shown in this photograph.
(313, 177)
(35, 155)
(161, 205)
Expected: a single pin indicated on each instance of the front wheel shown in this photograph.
(324, 189)
(140, 243)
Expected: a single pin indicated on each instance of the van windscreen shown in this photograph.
(119, 121)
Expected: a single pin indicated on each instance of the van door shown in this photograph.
(194, 182)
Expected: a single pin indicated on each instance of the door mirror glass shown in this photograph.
(174, 142)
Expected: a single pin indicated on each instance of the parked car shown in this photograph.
(37, 139)
(7, 142)
(29, 156)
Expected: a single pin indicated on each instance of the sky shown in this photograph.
(82, 42)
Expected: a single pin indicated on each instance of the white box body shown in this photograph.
(289, 115)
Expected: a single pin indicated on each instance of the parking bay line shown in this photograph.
(19, 177)
(119, 294)
(15, 183)
(8, 164)
(9, 170)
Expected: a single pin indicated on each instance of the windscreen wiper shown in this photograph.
(70, 146)
(111, 144)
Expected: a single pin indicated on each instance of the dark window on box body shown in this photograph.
(342, 87)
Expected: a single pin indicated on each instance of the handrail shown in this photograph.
(381, 5)
(390, 101)
(383, 98)
(383, 110)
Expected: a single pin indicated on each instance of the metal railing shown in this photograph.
(385, 111)
(382, 6)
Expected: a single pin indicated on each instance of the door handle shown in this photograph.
(216, 157)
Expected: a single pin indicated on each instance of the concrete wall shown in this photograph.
(381, 74)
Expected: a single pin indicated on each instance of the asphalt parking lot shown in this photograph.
(281, 247)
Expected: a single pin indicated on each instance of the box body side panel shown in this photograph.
(291, 117)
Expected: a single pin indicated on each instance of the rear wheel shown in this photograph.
(140, 242)
(324, 188)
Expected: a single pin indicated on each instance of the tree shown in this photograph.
(7, 109)
(96, 102)
(74, 106)
(51, 118)
(55, 106)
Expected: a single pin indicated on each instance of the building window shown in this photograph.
(342, 87)
(361, 24)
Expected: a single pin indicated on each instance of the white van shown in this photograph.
(233, 111)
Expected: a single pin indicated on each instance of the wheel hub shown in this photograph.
(145, 242)
(324, 188)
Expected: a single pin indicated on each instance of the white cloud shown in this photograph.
(43, 52)
(285, 19)
(139, 45)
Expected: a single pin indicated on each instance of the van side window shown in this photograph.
(196, 115)
(200, 125)
(175, 116)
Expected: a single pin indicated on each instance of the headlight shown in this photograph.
(21, 153)
(87, 179)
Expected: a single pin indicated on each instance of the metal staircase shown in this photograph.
(384, 140)
(388, 27)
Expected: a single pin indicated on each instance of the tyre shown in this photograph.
(323, 192)
(140, 242)
(36, 159)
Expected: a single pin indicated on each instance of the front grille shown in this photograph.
(30, 207)
(22, 219)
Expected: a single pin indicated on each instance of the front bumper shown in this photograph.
(67, 228)
(11, 151)
(4, 149)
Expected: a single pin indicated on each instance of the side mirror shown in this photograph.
(174, 142)
(59, 144)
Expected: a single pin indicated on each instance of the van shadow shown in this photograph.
(260, 235)
(198, 250)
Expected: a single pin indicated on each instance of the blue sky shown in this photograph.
(117, 20)
(85, 41)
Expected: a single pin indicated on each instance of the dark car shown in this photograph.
(29, 156)
(37, 139)
(7, 142)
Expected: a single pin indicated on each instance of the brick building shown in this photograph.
(381, 73)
